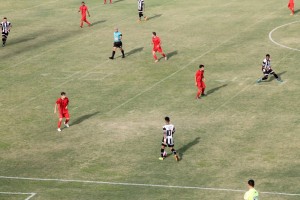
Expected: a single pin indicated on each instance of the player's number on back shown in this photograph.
(169, 132)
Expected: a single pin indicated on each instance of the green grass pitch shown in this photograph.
(241, 130)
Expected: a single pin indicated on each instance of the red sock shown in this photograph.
(164, 55)
(110, 1)
(155, 57)
(58, 124)
(67, 120)
(203, 91)
(104, 1)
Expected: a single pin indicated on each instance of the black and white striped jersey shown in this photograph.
(169, 130)
(141, 4)
(5, 26)
(266, 64)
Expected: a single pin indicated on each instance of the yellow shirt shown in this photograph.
(251, 194)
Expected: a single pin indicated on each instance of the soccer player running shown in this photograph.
(200, 82)
(251, 194)
(141, 9)
(117, 44)
(157, 47)
(168, 131)
(5, 26)
(291, 6)
(267, 70)
(84, 9)
(62, 106)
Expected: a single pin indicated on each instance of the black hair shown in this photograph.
(268, 55)
(82, 2)
(62, 93)
(201, 66)
(154, 33)
(251, 182)
(4, 18)
(167, 119)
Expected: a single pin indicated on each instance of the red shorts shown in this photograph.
(201, 85)
(159, 49)
(64, 114)
(83, 17)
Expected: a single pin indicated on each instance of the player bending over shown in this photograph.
(267, 70)
(168, 131)
(62, 107)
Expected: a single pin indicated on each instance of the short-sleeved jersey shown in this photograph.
(199, 76)
(117, 36)
(62, 104)
(266, 64)
(83, 9)
(5, 26)
(156, 41)
(169, 130)
(141, 5)
(251, 194)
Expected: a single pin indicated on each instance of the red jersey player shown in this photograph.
(157, 47)
(200, 82)
(84, 9)
(291, 6)
(62, 107)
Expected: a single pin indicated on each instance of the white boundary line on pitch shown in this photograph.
(141, 184)
(278, 27)
(31, 194)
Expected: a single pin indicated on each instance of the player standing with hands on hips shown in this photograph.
(5, 26)
(62, 106)
(168, 131)
(117, 44)
(267, 70)
(84, 9)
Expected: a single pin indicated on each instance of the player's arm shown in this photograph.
(196, 79)
(121, 37)
(165, 136)
(79, 9)
(87, 10)
(55, 107)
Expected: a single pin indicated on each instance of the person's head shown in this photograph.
(153, 34)
(201, 67)
(268, 56)
(116, 29)
(167, 119)
(82, 3)
(251, 183)
(63, 95)
(4, 19)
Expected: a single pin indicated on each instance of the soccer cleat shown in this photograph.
(156, 61)
(145, 18)
(279, 80)
(203, 95)
(67, 125)
(161, 158)
(111, 58)
(123, 56)
(139, 21)
(166, 58)
(258, 80)
(176, 158)
(59, 130)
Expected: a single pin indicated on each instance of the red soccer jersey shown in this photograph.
(62, 104)
(156, 41)
(199, 76)
(83, 10)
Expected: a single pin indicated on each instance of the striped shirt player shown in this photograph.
(267, 70)
(168, 132)
(5, 27)
(117, 43)
(141, 9)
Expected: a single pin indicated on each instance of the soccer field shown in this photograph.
(241, 130)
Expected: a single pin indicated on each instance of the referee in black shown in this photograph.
(117, 43)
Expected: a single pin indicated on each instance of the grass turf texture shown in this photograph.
(241, 130)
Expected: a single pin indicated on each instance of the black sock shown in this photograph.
(265, 77)
(174, 151)
(113, 54)
(275, 75)
(162, 152)
(123, 52)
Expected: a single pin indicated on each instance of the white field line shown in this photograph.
(84, 78)
(69, 75)
(141, 185)
(185, 66)
(20, 193)
(278, 27)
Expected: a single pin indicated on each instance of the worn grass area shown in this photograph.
(241, 130)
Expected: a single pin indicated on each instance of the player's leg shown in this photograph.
(162, 53)
(154, 55)
(174, 152)
(122, 51)
(140, 15)
(59, 123)
(203, 89)
(198, 95)
(4, 38)
(81, 23)
(67, 116)
(104, 1)
(113, 51)
(86, 21)
(162, 149)
(276, 76)
(110, 1)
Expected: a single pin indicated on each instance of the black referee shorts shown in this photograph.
(5, 34)
(118, 44)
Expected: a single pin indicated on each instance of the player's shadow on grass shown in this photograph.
(98, 22)
(215, 89)
(83, 118)
(117, 1)
(171, 54)
(296, 11)
(272, 77)
(21, 40)
(133, 51)
(189, 145)
(154, 16)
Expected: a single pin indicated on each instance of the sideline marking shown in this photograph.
(141, 184)
(278, 27)
(31, 194)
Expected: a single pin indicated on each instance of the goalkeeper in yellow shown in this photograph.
(251, 194)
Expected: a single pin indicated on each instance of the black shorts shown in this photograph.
(5, 34)
(118, 44)
(268, 71)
